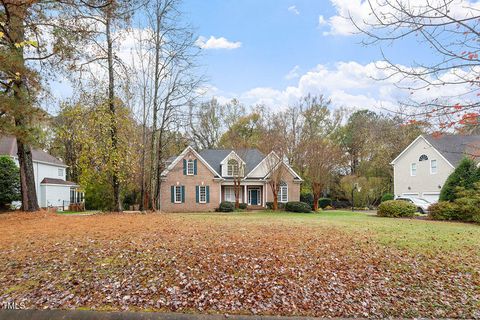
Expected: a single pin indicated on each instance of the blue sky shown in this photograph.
(279, 36)
(273, 52)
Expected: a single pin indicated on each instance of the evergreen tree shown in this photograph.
(465, 176)
(9, 181)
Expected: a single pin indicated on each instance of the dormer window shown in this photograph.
(190, 167)
(423, 157)
(232, 167)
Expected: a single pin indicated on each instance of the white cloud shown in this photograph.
(217, 43)
(292, 74)
(294, 10)
(322, 21)
(350, 84)
(361, 12)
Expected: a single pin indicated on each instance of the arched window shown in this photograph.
(423, 157)
(232, 167)
(283, 192)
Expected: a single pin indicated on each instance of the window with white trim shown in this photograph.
(413, 169)
(178, 194)
(190, 167)
(433, 166)
(232, 167)
(202, 192)
(60, 172)
(283, 192)
(229, 194)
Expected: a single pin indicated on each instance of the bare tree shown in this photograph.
(450, 30)
(322, 159)
(167, 85)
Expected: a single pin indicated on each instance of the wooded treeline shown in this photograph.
(137, 100)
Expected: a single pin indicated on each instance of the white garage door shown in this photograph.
(431, 196)
(409, 194)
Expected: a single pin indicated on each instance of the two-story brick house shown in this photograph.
(198, 181)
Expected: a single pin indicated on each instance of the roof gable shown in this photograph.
(452, 148)
(251, 157)
(8, 146)
(182, 155)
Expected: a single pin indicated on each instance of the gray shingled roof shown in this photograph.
(251, 157)
(455, 147)
(8, 146)
(58, 181)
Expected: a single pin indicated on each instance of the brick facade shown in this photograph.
(293, 188)
(177, 177)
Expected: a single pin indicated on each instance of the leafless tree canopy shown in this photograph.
(446, 86)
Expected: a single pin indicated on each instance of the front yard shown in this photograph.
(328, 264)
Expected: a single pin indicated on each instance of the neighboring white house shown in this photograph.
(52, 188)
(422, 168)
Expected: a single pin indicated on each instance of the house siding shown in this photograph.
(424, 182)
(293, 188)
(176, 177)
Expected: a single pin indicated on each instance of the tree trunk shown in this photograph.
(27, 178)
(236, 183)
(113, 123)
(275, 201)
(315, 201)
(23, 106)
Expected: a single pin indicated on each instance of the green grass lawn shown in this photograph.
(412, 234)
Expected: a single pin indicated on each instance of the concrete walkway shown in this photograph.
(97, 315)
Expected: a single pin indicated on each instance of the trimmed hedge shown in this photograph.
(443, 211)
(386, 197)
(324, 202)
(298, 206)
(396, 209)
(226, 206)
(242, 206)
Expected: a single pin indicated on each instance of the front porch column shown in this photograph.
(264, 195)
(245, 194)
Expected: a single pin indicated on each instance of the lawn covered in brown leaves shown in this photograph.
(328, 264)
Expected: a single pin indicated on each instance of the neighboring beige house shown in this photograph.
(422, 168)
(199, 181)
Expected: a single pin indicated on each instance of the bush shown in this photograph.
(226, 206)
(242, 206)
(298, 206)
(464, 176)
(396, 208)
(9, 181)
(307, 198)
(386, 197)
(280, 205)
(339, 204)
(324, 202)
(328, 208)
(444, 210)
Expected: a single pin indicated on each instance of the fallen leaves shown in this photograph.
(222, 264)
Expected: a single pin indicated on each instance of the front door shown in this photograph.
(254, 197)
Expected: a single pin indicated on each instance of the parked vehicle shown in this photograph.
(421, 203)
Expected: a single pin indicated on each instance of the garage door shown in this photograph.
(431, 196)
(409, 194)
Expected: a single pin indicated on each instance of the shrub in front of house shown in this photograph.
(280, 205)
(226, 206)
(339, 204)
(242, 206)
(396, 209)
(307, 197)
(298, 206)
(444, 210)
(466, 206)
(464, 176)
(324, 202)
(387, 196)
